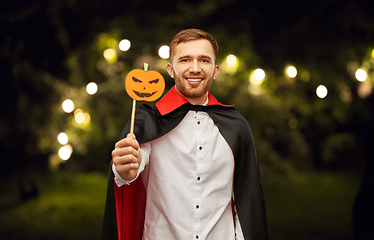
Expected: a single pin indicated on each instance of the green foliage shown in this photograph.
(292, 127)
(70, 207)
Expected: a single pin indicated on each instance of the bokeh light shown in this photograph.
(259, 74)
(321, 91)
(361, 75)
(87, 117)
(257, 77)
(124, 45)
(65, 152)
(63, 138)
(81, 117)
(91, 88)
(291, 71)
(110, 55)
(364, 90)
(164, 52)
(68, 106)
(231, 60)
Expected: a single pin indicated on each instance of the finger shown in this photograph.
(125, 151)
(131, 135)
(125, 142)
(127, 167)
(123, 160)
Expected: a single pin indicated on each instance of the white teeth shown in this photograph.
(194, 80)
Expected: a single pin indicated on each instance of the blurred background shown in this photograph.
(301, 72)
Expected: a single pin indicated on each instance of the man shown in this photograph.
(191, 171)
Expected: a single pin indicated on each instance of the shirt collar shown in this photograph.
(173, 100)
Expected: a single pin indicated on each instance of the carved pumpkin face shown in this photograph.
(144, 85)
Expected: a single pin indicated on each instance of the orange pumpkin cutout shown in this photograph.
(144, 85)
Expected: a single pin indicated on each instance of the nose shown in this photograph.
(195, 67)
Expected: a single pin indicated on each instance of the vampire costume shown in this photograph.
(125, 205)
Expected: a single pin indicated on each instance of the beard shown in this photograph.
(192, 91)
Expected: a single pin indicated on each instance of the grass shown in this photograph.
(316, 205)
(313, 205)
(70, 207)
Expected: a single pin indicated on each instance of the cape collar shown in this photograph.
(173, 100)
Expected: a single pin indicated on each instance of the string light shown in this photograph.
(110, 55)
(91, 88)
(124, 45)
(321, 91)
(259, 74)
(68, 106)
(79, 116)
(291, 71)
(231, 60)
(63, 138)
(164, 52)
(257, 77)
(65, 152)
(361, 75)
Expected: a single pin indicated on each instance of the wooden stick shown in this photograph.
(134, 107)
(133, 116)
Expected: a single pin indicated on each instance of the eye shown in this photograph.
(136, 80)
(154, 81)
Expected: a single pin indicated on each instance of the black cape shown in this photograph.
(150, 125)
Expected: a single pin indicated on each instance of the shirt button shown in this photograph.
(197, 236)
(197, 206)
(200, 148)
(198, 178)
(198, 122)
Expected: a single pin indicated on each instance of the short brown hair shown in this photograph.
(189, 35)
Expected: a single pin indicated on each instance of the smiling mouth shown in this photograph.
(194, 80)
(144, 95)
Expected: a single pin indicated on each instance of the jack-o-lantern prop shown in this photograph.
(144, 85)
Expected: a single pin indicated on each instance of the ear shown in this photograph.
(216, 72)
(169, 68)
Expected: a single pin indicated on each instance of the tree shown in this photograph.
(52, 50)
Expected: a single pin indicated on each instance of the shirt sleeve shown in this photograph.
(145, 150)
(238, 228)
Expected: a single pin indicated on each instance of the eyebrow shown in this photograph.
(200, 56)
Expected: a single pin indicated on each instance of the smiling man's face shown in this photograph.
(193, 69)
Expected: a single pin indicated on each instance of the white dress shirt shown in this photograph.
(189, 192)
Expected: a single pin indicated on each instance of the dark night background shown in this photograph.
(315, 155)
